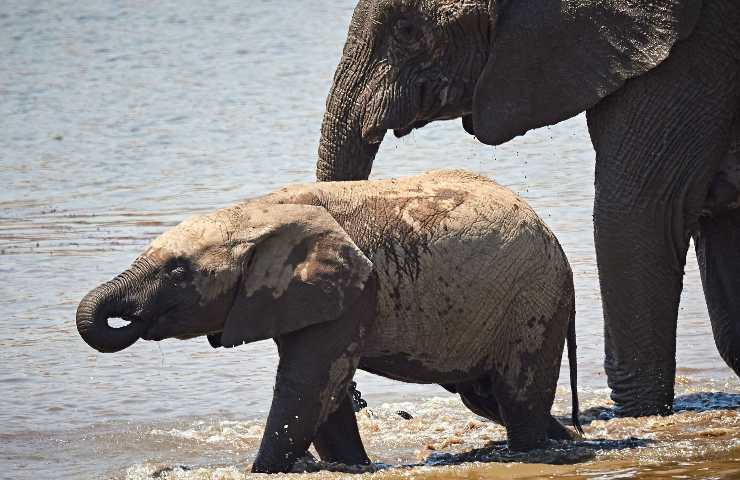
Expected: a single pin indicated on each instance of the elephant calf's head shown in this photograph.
(253, 271)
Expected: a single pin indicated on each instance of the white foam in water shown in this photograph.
(443, 431)
(222, 432)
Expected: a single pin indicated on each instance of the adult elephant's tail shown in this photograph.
(572, 362)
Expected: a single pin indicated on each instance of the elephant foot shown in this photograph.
(642, 402)
(639, 390)
(526, 437)
(558, 431)
(642, 410)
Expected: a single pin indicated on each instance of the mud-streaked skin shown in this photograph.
(450, 250)
(443, 278)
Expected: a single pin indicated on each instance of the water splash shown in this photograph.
(445, 440)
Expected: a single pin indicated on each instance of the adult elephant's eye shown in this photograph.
(405, 31)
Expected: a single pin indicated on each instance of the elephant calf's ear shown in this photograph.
(308, 272)
(550, 60)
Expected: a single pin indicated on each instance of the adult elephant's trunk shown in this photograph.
(347, 147)
(109, 301)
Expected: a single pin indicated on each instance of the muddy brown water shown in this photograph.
(119, 119)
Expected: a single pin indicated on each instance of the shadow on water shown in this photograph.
(559, 453)
(691, 402)
(705, 401)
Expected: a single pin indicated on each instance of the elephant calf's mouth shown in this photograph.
(120, 322)
(151, 333)
(161, 326)
(134, 322)
(128, 322)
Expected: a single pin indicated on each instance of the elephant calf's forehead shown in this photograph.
(192, 237)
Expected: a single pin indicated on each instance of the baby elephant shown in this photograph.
(442, 278)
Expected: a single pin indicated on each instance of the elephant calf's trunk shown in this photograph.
(93, 313)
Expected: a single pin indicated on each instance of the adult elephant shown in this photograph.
(660, 83)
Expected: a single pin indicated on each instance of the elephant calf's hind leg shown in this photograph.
(558, 431)
(486, 407)
(527, 426)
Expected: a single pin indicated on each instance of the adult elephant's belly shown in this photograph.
(456, 307)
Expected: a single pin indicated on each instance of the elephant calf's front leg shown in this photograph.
(290, 426)
(338, 439)
(316, 366)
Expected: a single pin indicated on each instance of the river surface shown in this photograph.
(121, 118)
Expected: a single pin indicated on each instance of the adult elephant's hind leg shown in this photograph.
(658, 142)
(718, 253)
(338, 439)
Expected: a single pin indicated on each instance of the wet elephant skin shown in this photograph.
(443, 278)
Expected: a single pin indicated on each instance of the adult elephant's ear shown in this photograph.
(306, 271)
(552, 59)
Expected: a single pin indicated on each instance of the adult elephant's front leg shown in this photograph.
(640, 271)
(658, 142)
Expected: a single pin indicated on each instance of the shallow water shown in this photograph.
(122, 118)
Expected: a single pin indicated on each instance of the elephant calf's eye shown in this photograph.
(178, 274)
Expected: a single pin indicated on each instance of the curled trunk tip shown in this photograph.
(92, 317)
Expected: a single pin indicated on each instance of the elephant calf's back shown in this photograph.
(470, 278)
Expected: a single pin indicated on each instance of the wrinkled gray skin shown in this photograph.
(443, 278)
(660, 82)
